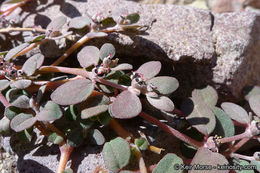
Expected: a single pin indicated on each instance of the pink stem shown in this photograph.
(3, 100)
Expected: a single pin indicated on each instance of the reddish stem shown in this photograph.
(3, 100)
(65, 154)
(246, 134)
(172, 131)
(178, 112)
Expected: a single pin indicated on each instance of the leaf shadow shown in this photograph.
(30, 166)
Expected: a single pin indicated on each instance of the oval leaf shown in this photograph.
(127, 105)
(107, 50)
(116, 154)
(124, 66)
(88, 56)
(11, 112)
(22, 121)
(55, 138)
(142, 143)
(235, 112)
(164, 84)
(72, 92)
(163, 103)
(167, 164)
(93, 111)
(249, 91)
(21, 84)
(32, 64)
(149, 69)
(4, 84)
(79, 22)
(206, 157)
(97, 137)
(133, 18)
(50, 112)
(57, 23)
(15, 51)
(254, 102)
(208, 94)
(224, 125)
(21, 102)
(199, 115)
(4, 125)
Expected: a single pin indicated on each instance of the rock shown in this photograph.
(205, 49)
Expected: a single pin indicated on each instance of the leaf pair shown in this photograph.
(127, 103)
(50, 112)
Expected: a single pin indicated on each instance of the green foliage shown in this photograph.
(50, 112)
(116, 154)
(22, 121)
(168, 163)
(55, 138)
(11, 53)
(4, 84)
(33, 63)
(142, 143)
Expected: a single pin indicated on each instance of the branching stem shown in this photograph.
(246, 134)
(170, 130)
(240, 156)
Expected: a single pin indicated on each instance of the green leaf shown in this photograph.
(4, 84)
(33, 63)
(55, 138)
(133, 18)
(236, 112)
(79, 22)
(116, 154)
(37, 38)
(167, 164)
(142, 143)
(88, 56)
(149, 69)
(22, 121)
(206, 157)
(13, 52)
(123, 66)
(224, 125)
(75, 138)
(104, 118)
(73, 92)
(22, 102)
(254, 102)
(26, 135)
(249, 91)
(4, 125)
(21, 84)
(97, 136)
(57, 23)
(127, 105)
(208, 94)
(71, 113)
(50, 112)
(68, 170)
(107, 50)
(242, 163)
(108, 22)
(14, 1)
(165, 85)
(3, 53)
(95, 105)
(11, 112)
(257, 164)
(199, 115)
(162, 103)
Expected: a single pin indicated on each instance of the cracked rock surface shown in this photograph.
(219, 49)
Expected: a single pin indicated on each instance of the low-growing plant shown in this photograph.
(71, 109)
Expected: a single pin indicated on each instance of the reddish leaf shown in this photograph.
(32, 64)
(22, 121)
(50, 112)
(72, 92)
(107, 50)
(21, 84)
(124, 66)
(4, 84)
(88, 56)
(11, 53)
(149, 69)
(206, 157)
(127, 105)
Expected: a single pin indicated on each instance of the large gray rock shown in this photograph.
(206, 49)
